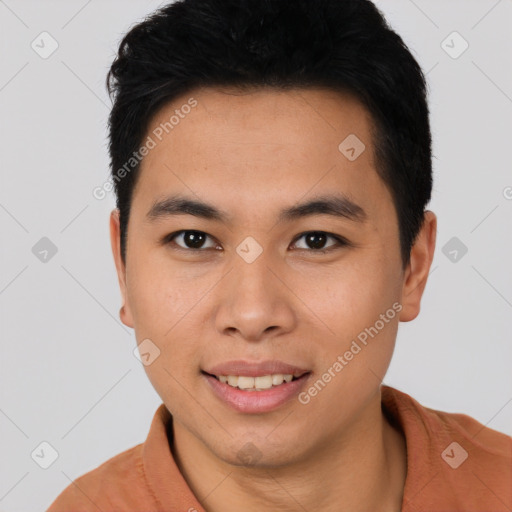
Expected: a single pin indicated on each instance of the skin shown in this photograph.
(252, 154)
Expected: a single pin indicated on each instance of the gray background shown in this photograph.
(68, 373)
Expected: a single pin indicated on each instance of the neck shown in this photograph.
(363, 469)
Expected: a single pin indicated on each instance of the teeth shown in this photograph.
(256, 383)
(264, 382)
(245, 382)
(277, 379)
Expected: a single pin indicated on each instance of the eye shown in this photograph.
(317, 240)
(192, 240)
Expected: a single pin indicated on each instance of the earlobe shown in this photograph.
(417, 272)
(115, 241)
(126, 319)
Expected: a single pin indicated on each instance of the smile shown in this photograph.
(256, 394)
(256, 383)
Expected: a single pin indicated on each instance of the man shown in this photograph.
(272, 165)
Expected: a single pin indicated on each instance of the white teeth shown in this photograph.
(256, 383)
(245, 382)
(277, 379)
(264, 382)
(233, 380)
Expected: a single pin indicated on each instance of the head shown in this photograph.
(277, 166)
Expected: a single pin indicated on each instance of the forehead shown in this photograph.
(260, 148)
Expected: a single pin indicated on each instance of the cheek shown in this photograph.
(357, 292)
(164, 302)
(357, 313)
(352, 362)
(163, 311)
(159, 293)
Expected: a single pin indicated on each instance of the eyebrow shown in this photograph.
(334, 205)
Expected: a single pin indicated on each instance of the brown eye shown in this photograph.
(189, 240)
(194, 241)
(316, 240)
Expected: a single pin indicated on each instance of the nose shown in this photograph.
(254, 302)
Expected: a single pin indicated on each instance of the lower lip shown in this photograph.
(256, 401)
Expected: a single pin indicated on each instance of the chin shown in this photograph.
(257, 452)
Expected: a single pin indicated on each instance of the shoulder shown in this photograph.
(439, 425)
(107, 486)
(454, 461)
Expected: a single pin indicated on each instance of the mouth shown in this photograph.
(259, 383)
(256, 388)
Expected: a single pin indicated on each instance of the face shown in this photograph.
(253, 285)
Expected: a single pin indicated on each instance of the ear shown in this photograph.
(115, 241)
(417, 271)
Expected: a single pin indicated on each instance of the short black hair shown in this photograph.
(344, 45)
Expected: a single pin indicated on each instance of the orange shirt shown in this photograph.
(454, 463)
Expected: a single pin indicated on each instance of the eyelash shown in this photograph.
(340, 241)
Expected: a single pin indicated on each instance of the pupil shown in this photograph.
(312, 240)
(194, 239)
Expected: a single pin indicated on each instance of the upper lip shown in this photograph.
(256, 369)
